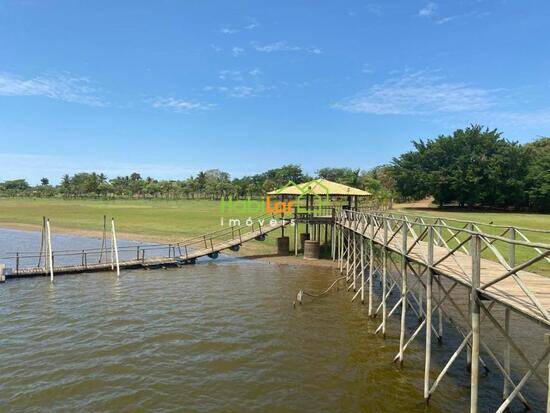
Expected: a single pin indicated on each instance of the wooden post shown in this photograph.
(469, 347)
(363, 270)
(348, 252)
(42, 244)
(506, 364)
(341, 248)
(507, 314)
(403, 292)
(17, 263)
(115, 247)
(112, 253)
(512, 248)
(332, 242)
(50, 253)
(439, 311)
(476, 263)
(354, 274)
(295, 238)
(384, 277)
(547, 339)
(103, 238)
(371, 265)
(420, 296)
(429, 282)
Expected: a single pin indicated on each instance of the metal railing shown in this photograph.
(25, 260)
(460, 243)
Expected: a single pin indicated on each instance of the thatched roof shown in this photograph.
(319, 187)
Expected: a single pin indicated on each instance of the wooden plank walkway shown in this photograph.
(458, 266)
(159, 261)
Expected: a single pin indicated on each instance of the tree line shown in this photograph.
(210, 184)
(474, 167)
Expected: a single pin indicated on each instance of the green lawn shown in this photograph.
(158, 219)
(171, 219)
(176, 220)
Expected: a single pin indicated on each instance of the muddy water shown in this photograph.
(220, 336)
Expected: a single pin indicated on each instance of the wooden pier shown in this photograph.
(433, 255)
(147, 255)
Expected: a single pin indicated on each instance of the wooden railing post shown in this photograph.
(429, 283)
(115, 246)
(384, 276)
(50, 252)
(475, 319)
(403, 292)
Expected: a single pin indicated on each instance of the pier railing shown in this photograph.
(24, 260)
(514, 255)
(424, 259)
(500, 242)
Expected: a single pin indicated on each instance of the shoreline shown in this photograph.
(247, 252)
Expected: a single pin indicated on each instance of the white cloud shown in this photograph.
(251, 25)
(374, 9)
(428, 10)
(234, 75)
(367, 69)
(227, 30)
(240, 91)
(474, 14)
(430, 95)
(237, 51)
(240, 84)
(284, 47)
(63, 87)
(181, 106)
(419, 93)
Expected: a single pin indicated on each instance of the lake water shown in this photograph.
(219, 336)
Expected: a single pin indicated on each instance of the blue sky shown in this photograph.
(168, 88)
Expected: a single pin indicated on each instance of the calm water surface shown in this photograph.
(220, 336)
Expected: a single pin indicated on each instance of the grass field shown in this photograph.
(177, 220)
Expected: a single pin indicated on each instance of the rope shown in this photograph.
(301, 293)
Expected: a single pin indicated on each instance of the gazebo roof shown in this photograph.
(319, 187)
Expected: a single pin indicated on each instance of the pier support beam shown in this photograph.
(429, 282)
(547, 340)
(384, 279)
(403, 294)
(371, 265)
(115, 247)
(50, 252)
(475, 317)
(363, 271)
(506, 366)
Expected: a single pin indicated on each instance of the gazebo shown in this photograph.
(320, 189)
(318, 216)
